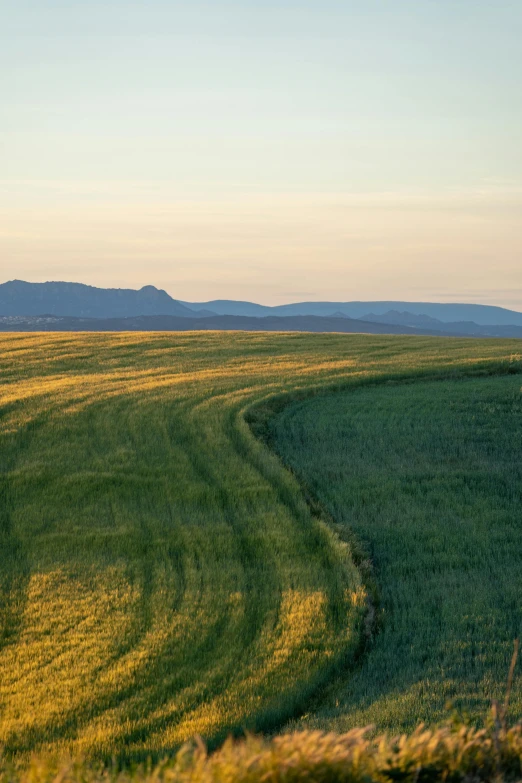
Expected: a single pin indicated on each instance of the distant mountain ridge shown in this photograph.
(76, 301)
(467, 328)
(270, 323)
(405, 319)
(267, 323)
(446, 312)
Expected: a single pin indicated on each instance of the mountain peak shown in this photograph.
(78, 300)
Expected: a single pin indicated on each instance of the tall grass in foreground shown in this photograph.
(454, 753)
(161, 573)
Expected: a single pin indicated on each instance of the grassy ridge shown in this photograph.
(161, 574)
(429, 477)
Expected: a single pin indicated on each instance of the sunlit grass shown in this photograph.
(458, 753)
(161, 573)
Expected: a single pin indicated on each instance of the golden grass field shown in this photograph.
(162, 574)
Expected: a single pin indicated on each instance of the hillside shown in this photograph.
(289, 323)
(170, 323)
(162, 574)
(483, 315)
(18, 298)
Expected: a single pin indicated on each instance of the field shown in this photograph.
(428, 476)
(162, 574)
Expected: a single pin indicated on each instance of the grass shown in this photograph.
(428, 476)
(456, 753)
(161, 573)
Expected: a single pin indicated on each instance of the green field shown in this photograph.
(428, 475)
(162, 574)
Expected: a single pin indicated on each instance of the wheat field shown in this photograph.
(162, 574)
(428, 477)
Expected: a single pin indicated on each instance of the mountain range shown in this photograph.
(85, 301)
(484, 315)
(74, 306)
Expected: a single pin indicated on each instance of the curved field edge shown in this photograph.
(379, 462)
(129, 395)
(259, 417)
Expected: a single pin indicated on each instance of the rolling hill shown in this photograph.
(171, 323)
(162, 574)
(18, 298)
(483, 315)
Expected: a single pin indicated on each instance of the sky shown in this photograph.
(272, 151)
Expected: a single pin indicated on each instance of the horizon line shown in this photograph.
(454, 301)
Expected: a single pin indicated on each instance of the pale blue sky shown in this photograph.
(264, 150)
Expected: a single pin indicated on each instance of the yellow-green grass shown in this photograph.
(161, 573)
(428, 476)
(456, 753)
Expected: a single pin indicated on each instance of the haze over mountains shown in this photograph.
(84, 301)
(74, 306)
(445, 312)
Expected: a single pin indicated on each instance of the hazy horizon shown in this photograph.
(453, 300)
(269, 152)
